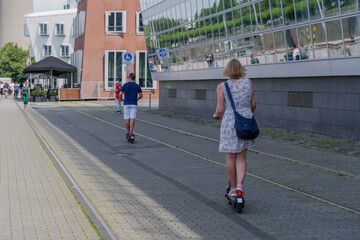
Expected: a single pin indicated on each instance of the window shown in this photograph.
(139, 24)
(113, 69)
(115, 22)
(47, 50)
(143, 76)
(60, 29)
(43, 29)
(64, 51)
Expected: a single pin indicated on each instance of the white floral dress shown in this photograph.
(241, 94)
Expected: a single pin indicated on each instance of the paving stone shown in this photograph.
(34, 199)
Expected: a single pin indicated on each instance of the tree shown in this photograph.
(12, 61)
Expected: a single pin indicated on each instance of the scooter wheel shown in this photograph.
(239, 208)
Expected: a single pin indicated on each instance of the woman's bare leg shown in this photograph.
(231, 168)
(241, 167)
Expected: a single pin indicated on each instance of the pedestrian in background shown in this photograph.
(11, 89)
(1, 89)
(16, 90)
(242, 92)
(6, 89)
(117, 97)
(21, 88)
(254, 60)
(296, 52)
(26, 95)
(133, 93)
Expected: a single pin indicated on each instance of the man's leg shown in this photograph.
(132, 124)
(133, 112)
(127, 118)
(127, 125)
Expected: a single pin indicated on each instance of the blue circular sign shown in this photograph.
(128, 57)
(162, 52)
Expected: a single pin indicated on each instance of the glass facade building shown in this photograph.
(200, 34)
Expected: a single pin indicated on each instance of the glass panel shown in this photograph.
(192, 55)
(249, 48)
(214, 27)
(228, 4)
(188, 11)
(174, 20)
(259, 56)
(351, 36)
(331, 7)
(240, 51)
(276, 13)
(198, 58)
(335, 42)
(269, 46)
(293, 52)
(239, 2)
(220, 5)
(315, 7)
(111, 66)
(183, 13)
(255, 17)
(319, 40)
(141, 25)
(111, 22)
(149, 81)
(265, 14)
(181, 37)
(206, 8)
(118, 21)
(232, 48)
(280, 47)
(305, 45)
(222, 25)
(230, 24)
(177, 61)
(142, 69)
(245, 12)
(218, 54)
(118, 66)
(301, 7)
(200, 9)
(288, 8)
(206, 58)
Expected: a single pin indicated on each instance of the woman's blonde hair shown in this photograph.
(234, 69)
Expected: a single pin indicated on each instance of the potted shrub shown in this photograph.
(43, 95)
(36, 94)
(52, 95)
(32, 99)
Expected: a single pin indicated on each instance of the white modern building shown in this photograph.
(51, 34)
(71, 4)
(12, 21)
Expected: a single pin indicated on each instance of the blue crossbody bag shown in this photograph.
(246, 128)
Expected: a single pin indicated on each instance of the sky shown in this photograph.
(48, 5)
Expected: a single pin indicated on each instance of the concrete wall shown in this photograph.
(333, 103)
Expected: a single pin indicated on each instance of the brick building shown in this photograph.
(104, 31)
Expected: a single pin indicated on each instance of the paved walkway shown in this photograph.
(167, 185)
(35, 202)
(157, 188)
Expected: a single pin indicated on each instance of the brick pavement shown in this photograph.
(147, 190)
(35, 202)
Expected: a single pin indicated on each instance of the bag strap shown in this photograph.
(229, 95)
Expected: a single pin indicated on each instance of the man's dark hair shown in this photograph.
(132, 76)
